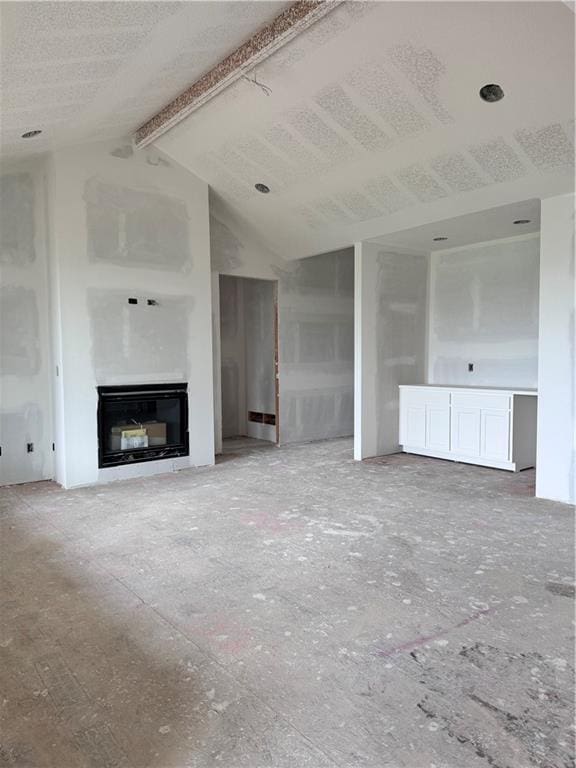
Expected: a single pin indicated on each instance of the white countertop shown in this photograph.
(496, 390)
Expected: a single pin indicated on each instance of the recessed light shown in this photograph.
(262, 188)
(31, 134)
(522, 221)
(437, 239)
(491, 92)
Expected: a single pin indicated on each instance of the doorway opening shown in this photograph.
(249, 396)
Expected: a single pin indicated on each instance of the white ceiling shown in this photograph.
(374, 123)
(478, 227)
(83, 71)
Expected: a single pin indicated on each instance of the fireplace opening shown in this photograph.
(142, 423)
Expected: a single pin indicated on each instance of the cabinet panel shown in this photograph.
(495, 434)
(414, 433)
(465, 431)
(438, 428)
(480, 400)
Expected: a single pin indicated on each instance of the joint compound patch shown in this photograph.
(547, 147)
(19, 331)
(17, 226)
(498, 160)
(420, 183)
(139, 339)
(424, 70)
(136, 228)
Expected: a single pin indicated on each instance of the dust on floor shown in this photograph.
(289, 608)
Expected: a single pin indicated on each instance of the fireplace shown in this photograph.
(142, 423)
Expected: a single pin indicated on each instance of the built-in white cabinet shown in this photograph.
(492, 427)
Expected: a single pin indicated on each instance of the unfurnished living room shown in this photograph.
(287, 384)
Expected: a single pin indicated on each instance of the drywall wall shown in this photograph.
(25, 359)
(316, 326)
(484, 311)
(247, 308)
(233, 357)
(556, 446)
(390, 342)
(126, 226)
(259, 334)
(316, 351)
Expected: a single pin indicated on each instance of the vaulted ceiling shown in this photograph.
(88, 70)
(370, 121)
(367, 123)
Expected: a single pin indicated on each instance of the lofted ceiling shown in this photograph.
(370, 122)
(85, 71)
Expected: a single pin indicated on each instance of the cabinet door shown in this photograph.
(465, 431)
(438, 427)
(414, 432)
(495, 434)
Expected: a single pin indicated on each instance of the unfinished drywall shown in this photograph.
(390, 342)
(135, 227)
(25, 359)
(247, 308)
(316, 324)
(233, 357)
(484, 313)
(17, 218)
(259, 334)
(140, 231)
(556, 447)
(137, 341)
(316, 327)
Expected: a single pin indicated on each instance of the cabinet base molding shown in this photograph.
(510, 466)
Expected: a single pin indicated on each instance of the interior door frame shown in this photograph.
(217, 353)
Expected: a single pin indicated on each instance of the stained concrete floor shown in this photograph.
(289, 608)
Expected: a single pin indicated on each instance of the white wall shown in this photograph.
(233, 357)
(484, 310)
(556, 449)
(124, 226)
(247, 308)
(316, 328)
(259, 333)
(390, 342)
(25, 355)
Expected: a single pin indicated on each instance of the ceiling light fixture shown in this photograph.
(262, 188)
(522, 221)
(31, 134)
(491, 92)
(437, 239)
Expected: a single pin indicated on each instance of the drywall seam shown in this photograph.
(473, 246)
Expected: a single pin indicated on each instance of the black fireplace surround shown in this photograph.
(142, 423)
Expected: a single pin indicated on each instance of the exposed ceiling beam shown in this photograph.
(262, 44)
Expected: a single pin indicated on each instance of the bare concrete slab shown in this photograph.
(289, 608)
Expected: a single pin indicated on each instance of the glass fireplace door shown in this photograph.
(142, 423)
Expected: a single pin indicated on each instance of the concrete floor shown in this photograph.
(289, 608)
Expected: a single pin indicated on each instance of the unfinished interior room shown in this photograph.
(287, 384)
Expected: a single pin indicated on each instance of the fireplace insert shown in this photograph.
(142, 423)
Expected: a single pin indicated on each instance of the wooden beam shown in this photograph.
(270, 38)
